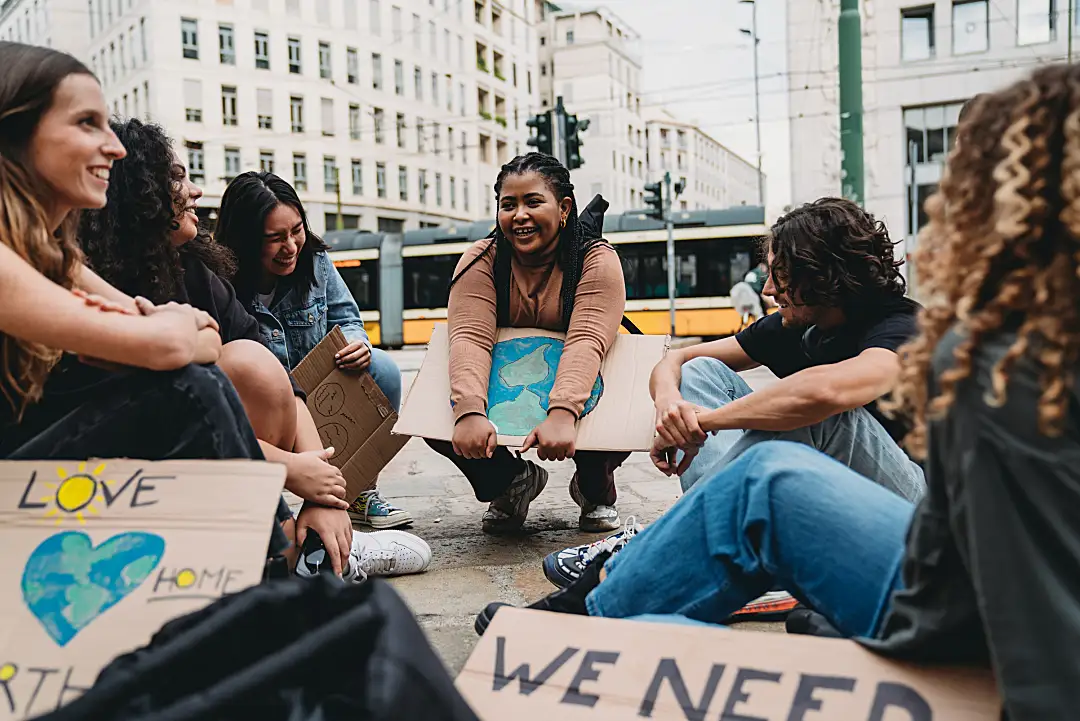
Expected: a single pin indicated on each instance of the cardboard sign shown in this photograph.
(533, 666)
(619, 415)
(98, 555)
(351, 413)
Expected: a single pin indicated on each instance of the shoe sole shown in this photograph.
(484, 618)
(514, 523)
(765, 611)
(599, 525)
(379, 524)
(553, 573)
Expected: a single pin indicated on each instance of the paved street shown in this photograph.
(471, 568)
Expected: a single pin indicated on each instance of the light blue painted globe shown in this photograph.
(522, 375)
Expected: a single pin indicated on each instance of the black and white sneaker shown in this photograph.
(564, 567)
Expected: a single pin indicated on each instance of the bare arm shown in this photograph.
(91, 282)
(667, 375)
(307, 435)
(810, 396)
(35, 309)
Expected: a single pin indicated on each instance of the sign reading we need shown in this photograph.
(533, 666)
(98, 555)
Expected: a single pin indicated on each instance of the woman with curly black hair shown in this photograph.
(146, 241)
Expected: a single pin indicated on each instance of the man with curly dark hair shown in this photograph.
(841, 316)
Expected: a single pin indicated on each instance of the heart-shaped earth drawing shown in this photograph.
(67, 582)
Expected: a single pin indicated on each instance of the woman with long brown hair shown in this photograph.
(151, 400)
(986, 569)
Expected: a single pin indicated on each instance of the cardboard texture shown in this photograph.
(98, 555)
(534, 666)
(623, 418)
(351, 413)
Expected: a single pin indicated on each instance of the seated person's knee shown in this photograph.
(261, 381)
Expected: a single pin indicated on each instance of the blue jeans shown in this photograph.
(387, 376)
(855, 438)
(781, 515)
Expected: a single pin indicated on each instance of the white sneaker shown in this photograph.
(386, 553)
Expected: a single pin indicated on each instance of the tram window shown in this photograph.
(704, 268)
(362, 280)
(427, 280)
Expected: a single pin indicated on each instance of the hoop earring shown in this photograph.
(562, 224)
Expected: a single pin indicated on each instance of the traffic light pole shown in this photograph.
(558, 129)
(670, 252)
(851, 107)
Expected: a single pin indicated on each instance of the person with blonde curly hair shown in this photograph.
(985, 570)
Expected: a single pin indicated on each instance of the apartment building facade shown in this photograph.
(387, 114)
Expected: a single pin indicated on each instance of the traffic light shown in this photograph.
(573, 142)
(655, 200)
(542, 140)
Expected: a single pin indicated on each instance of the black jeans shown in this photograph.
(490, 477)
(190, 413)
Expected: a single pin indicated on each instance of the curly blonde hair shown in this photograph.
(31, 76)
(1001, 250)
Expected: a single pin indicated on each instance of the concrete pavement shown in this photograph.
(470, 568)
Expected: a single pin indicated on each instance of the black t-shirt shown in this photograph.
(786, 351)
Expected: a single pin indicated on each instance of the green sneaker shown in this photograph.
(371, 509)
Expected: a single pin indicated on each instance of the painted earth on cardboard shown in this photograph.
(522, 375)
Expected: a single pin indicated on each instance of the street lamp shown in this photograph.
(752, 34)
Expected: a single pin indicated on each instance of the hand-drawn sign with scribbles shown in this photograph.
(336, 435)
(329, 399)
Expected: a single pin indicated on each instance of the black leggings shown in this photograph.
(190, 413)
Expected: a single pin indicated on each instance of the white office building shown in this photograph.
(921, 62)
(398, 112)
(592, 60)
(712, 175)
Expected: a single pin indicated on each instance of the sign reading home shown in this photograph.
(98, 555)
(535, 666)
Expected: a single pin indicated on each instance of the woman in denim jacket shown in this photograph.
(287, 281)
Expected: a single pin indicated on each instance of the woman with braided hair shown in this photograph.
(986, 568)
(538, 270)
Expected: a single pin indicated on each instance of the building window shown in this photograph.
(399, 78)
(380, 118)
(970, 26)
(228, 105)
(380, 179)
(465, 193)
(416, 36)
(1036, 21)
(196, 163)
(262, 51)
(438, 189)
(299, 171)
(453, 193)
(232, 163)
(325, 70)
(403, 182)
(296, 113)
(421, 186)
(569, 37)
(193, 101)
(395, 24)
(226, 44)
(294, 56)
(376, 71)
(352, 65)
(264, 102)
(266, 161)
(374, 17)
(418, 82)
(401, 130)
(329, 171)
(436, 137)
(328, 117)
(357, 177)
(930, 133)
(420, 144)
(450, 142)
(917, 33)
(189, 37)
(354, 121)
(435, 89)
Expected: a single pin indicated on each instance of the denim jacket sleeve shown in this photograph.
(341, 308)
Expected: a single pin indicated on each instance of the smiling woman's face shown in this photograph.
(529, 213)
(283, 239)
(185, 199)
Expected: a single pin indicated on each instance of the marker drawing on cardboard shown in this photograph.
(618, 415)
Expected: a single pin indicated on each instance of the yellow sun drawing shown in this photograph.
(75, 493)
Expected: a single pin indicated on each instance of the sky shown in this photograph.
(701, 67)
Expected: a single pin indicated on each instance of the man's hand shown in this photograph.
(554, 439)
(334, 528)
(474, 437)
(665, 458)
(678, 425)
(354, 357)
(310, 476)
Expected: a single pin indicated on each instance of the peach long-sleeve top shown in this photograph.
(535, 302)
